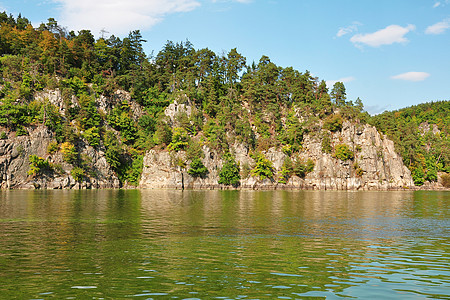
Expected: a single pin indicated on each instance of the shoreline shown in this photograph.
(230, 188)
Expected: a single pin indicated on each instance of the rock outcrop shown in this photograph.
(375, 165)
(15, 164)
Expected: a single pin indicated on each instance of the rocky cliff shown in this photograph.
(16, 151)
(375, 165)
(15, 154)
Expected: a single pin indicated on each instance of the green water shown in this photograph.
(224, 245)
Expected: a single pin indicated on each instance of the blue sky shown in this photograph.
(391, 54)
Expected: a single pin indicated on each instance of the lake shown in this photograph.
(122, 244)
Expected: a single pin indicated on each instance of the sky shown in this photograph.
(390, 54)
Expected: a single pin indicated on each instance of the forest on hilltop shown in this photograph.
(261, 105)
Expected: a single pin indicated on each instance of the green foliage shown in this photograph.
(263, 167)
(134, 172)
(302, 168)
(77, 85)
(20, 131)
(92, 135)
(179, 141)
(52, 147)
(70, 153)
(120, 119)
(163, 134)
(78, 174)
(88, 115)
(194, 150)
(424, 151)
(215, 134)
(229, 174)
(293, 133)
(38, 165)
(197, 168)
(113, 151)
(343, 152)
(333, 123)
(358, 170)
(338, 94)
(287, 149)
(261, 105)
(326, 143)
(418, 175)
(286, 170)
(3, 135)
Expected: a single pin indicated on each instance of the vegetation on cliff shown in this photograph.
(421, 134)
(260, 105)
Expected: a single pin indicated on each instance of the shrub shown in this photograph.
(229, 174)
(301, 168)
(343, 152)
(135, 170)
(69, 152)
(246, 170)
(38, 165)
(77, 174)
(263, 167)
(418, 175)
(3, 135)
(359, 171)
(194, 150)
(179, 140)
(92, 136)
(287, 149)
(163, 134)
(286, 171)
(326, 143)
(197, 168)
(113, 151)
(333, 123)
(21, 131)
(53, 147)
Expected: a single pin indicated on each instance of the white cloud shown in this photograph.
(438, 28)
(330, 83)
(376, 109)
(387, 36)
(349, 29)
(240, 1)
(412, 76)
(437, 4)
(119, 16)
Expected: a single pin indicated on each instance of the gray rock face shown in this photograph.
(381, 167)
(15, 164)
(375, 166)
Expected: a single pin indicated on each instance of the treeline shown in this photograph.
(421, 137)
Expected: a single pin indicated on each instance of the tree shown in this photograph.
(338, 94)
(197, 168)
(234, 64)
(263, 167)
(229, 174)
(343, 152)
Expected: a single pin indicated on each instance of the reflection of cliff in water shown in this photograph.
(322, 213)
